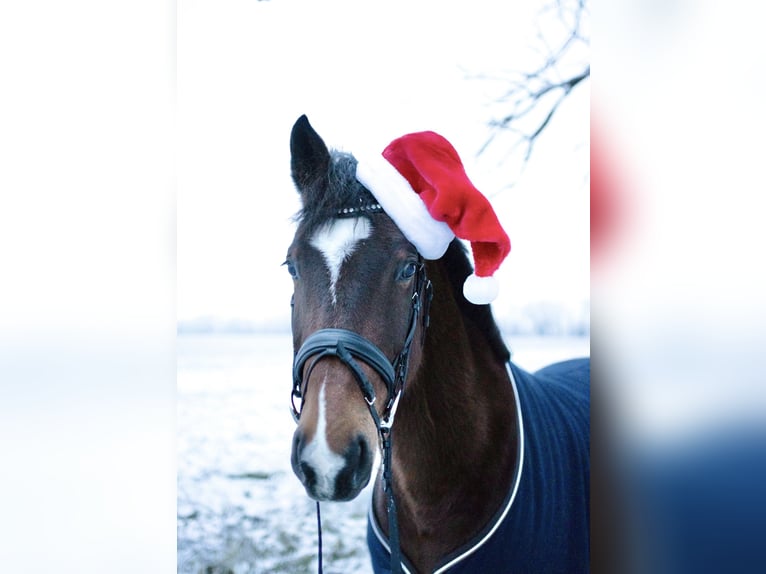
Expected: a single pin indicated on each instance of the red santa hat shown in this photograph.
(421, 184)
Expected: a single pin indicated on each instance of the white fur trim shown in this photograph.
(480, 290)
(402, 204)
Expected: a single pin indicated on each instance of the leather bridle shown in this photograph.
(351, 347)
(347, 346)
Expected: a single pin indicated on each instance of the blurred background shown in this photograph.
(145, 191)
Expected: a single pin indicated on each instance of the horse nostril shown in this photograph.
(364, 452)
(359, 457)
(309, 475)
(356, 473)
(354, 452)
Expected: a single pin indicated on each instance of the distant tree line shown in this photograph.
(538, 318)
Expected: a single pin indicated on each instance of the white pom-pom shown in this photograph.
(480, 290)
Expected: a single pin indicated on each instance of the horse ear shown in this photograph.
(310, 158)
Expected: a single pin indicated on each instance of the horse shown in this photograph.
(485, 467)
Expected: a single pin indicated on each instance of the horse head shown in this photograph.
(356, 278)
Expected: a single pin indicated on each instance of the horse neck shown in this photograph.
(455, 433)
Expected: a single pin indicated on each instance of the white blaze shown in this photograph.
(337, 240)
(318, 454)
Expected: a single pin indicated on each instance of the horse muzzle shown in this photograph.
(327, 475)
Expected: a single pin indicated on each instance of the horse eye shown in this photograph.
(291, 269)
(408, 270)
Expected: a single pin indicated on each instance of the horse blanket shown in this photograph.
(544, 524)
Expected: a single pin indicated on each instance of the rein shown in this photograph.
(349, 347)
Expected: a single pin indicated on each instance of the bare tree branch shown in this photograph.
(532, 98)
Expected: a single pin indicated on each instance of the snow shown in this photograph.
(240, 507)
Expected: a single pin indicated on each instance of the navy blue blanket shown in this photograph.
(544, 524)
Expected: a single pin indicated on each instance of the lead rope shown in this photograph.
(319, 536)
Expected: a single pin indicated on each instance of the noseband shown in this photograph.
(351, 347)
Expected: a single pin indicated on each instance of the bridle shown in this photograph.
(351, 347)
(347, 345)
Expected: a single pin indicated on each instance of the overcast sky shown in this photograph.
(248, 70)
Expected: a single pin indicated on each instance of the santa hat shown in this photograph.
(421, 184)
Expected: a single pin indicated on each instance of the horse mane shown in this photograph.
(458, 267)
(340, 189)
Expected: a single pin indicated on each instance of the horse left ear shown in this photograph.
(310, 158)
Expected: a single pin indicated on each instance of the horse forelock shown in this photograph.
(328, 195)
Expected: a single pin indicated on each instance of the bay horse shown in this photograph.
(485, 467)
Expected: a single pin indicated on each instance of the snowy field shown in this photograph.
(240, 508)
